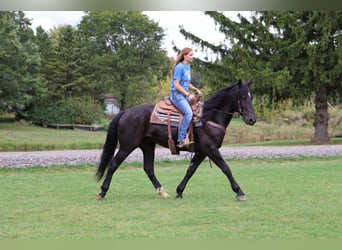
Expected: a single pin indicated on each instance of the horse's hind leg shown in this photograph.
(148, 149)
(113, 166)
(195, 162)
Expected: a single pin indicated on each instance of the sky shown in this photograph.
(193, 21)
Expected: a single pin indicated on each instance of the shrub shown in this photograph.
(68, 111)
(335, 121)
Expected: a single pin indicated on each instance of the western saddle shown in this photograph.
(165, 113)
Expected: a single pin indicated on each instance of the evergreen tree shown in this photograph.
(288, 54)
(65, 67)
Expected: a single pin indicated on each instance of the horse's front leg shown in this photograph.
(216, 157)
(195, 162)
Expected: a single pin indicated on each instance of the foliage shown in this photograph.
(287, 54)
(69, 111)
(19, 63)
(290, 54)
(65, 68)
(335, 121)
(125, 55)
(116, 53)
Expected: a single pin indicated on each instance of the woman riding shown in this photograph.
(179, 91)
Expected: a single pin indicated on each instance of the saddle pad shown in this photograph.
(165, 108)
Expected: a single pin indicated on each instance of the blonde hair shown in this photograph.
(180, 58)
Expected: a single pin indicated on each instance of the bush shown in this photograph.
(288, 114)
(69, 111)
(335, 121)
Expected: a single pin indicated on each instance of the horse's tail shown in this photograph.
(109, 146)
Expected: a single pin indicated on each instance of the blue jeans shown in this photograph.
(182, 103)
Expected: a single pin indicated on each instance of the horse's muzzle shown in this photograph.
(250, 120)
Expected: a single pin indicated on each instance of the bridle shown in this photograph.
(232, 113)
(239, 111)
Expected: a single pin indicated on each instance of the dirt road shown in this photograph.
(76, 157)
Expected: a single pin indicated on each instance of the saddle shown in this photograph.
(165, 113)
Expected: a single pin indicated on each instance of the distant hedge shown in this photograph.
(69, 111)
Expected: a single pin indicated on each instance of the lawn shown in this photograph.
(287, 199)
(19, 137)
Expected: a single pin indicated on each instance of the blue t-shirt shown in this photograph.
(183, 74)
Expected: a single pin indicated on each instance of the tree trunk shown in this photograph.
(321, 117)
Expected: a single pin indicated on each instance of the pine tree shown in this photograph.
(288, 54)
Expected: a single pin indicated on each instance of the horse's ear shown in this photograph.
(239, 83)
(249, 83)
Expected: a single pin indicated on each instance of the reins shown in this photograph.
(232, 113)
(224, 112)
(229, 113)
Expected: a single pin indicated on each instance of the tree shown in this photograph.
(19, 63)
(289, 54)
(69, 97)
(125, 55)
(65, 64)
(311, 47)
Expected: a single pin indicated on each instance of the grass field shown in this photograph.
(19, 137)
(287, 199)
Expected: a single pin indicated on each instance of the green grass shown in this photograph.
(287, 199)
(296, 142)
(18, 137)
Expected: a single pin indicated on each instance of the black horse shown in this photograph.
(132, 128)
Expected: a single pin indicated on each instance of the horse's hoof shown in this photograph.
(179, 196)
(241, 197)
(162, 193)
(99, 197)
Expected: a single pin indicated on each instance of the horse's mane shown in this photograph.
(214, 102)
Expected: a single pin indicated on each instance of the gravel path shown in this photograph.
(76, 157)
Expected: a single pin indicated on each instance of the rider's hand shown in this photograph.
(198, 92)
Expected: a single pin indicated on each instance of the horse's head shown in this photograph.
(245, 104)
